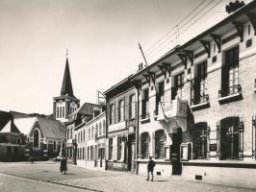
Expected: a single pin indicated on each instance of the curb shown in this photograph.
(53, 182)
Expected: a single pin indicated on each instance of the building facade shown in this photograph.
(121, 126)
(196, 114)
(91, 136)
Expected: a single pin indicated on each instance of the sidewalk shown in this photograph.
(109, 181)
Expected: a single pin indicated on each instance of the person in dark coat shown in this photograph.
(63, 162)
(151, 165)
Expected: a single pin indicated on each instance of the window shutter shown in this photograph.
(218, 136)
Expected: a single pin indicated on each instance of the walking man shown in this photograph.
(151, 165)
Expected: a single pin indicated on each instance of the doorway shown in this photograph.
(175, 152)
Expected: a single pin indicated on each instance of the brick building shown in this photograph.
(196, 113)
(121, 126)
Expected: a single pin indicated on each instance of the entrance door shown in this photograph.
(131, 153)
(175, 152)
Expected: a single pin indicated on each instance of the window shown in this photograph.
(178, 86)
(119, 148)
(200, 88)
(96, 132)
(121, 110)
(199, 134)
(92, 153)
(160, 139)
(230, 72)
(145, 140)
(100, 129)
(159, 96)
(54, 146)
(104, 126)
(132, 106)
(112, 115)
(230, 138)
(110, 148)
(36, 138)
(145, 104)
(92, 132)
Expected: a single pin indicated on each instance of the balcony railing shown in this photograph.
(202, 99)
(235, 89)
(145, 116)
(232, 94)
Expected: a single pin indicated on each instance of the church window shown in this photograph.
(36, 138)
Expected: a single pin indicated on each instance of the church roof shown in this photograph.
(49, 127)
(25, 124)
(66, 88)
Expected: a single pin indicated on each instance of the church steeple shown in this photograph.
(66, 103)
(66, 88)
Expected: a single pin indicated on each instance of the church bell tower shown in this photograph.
(66, 103)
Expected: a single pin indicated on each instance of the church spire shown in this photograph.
(66, 88)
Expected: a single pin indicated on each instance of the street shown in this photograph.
(43, 176)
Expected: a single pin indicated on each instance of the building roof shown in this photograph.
(66, 88)
(87, 109)
(5, 117)
(25, 125)
(218, 29)
(49, 127)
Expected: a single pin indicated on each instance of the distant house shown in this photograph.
(41, 136)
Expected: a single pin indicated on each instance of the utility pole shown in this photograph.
(141, 50)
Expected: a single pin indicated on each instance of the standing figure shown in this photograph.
(63, 162)
(63, 165)
(151, 165)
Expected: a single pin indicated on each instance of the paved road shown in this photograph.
(107, 181)
(17, 184)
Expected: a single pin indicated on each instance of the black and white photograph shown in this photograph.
(127, 95)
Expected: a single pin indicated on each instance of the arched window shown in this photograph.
(36, 138)
(160, 139)
(230, 137)
(199, 134)
(145, 140)
(54, 146)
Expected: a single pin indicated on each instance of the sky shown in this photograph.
(102, 39)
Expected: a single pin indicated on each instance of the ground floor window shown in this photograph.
(110, 148)
(145, 140)
(200, 135)
(119, 148)
(160, 140)
(230, 134)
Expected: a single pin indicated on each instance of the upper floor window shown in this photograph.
(230, 73)
(200, 94)
(132, 105)
(100, 129)
(178, 86)
(104, 126)
(96, 132)
(145, 104)
(159, 96)
(121, 110)
(112, 114)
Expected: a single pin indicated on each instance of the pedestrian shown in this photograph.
(151, 165)
(63, 165)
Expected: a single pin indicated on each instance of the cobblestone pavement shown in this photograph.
(109, 181)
